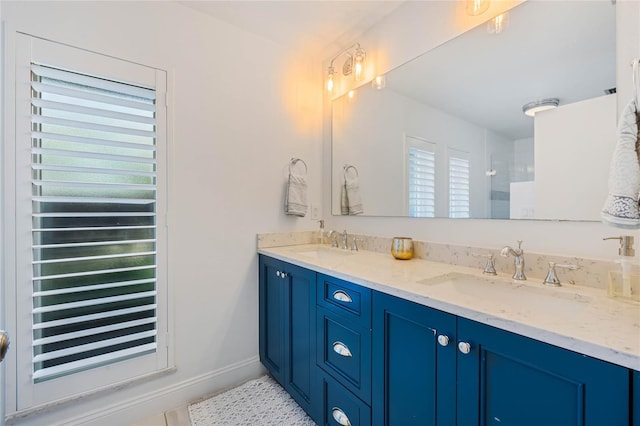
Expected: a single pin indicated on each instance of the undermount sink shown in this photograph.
(507, 292)
(325, 253)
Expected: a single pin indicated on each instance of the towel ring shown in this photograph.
(294, 161)
(349, 166)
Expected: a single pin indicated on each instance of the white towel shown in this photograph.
(350, 198)
(621, 207)
(295, 201)
(344, 201)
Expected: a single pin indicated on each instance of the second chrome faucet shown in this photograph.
(518, 260)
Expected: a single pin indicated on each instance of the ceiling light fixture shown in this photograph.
(532, 108)
(477, 7)
(354, 64)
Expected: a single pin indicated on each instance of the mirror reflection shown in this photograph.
(447, 136)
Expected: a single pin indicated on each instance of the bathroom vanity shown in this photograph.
(361, 338)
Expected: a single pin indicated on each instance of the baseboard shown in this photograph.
(164, 399)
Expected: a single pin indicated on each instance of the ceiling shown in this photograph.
(321, 27)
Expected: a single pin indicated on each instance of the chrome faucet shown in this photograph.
(333, 236)
(552, 278)
(489, 267)
(344, 240)
(518, 260)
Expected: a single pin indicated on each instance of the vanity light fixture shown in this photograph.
(477, 7)
(379, 82)
(532, 108)
(498, 24)
(354, 64)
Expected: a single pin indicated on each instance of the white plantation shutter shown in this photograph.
(94, 187)
(459, 185)
(87, 282)
(421, 177)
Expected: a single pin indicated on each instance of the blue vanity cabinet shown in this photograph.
(414, 364)
(635, 397)
(351, 355)
(507, 379)
(287, 300)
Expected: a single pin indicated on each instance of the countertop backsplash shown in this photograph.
(591, 272)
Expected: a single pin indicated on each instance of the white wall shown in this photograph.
(240, 106)
(569, 141)
(412, 30)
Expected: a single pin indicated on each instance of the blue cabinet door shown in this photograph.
(414, 376)
(272, 317)
(300, 337)
(511, 380)
(287, 300)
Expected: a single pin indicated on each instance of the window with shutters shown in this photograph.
(420, 159)
(97, 275)
(459, 187)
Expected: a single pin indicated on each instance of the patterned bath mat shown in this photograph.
(260, 402)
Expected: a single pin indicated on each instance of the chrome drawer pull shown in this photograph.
(340, 417)
(464, 347)
(342, 296)
(341, 349)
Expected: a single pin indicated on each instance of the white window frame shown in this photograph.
(16, 224)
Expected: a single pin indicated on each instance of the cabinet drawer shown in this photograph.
(341, 407)
(345, 298)
(344, 351)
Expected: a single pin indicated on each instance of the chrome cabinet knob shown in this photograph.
(283, 274)
(278, 273)
(464, 347)
(443, 340)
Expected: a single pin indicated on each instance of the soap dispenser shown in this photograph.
(625, 282)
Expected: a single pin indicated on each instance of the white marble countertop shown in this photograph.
(580, 319)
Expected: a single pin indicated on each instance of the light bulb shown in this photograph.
(358, 72)
(498, 24)
(477, 7)
(378, 82)
(330, 79)
(358, 63)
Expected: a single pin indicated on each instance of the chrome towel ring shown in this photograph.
(294, 161)
(349, 166)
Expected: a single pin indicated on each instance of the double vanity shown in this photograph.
(360, 338)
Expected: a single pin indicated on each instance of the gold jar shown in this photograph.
(402, 248)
